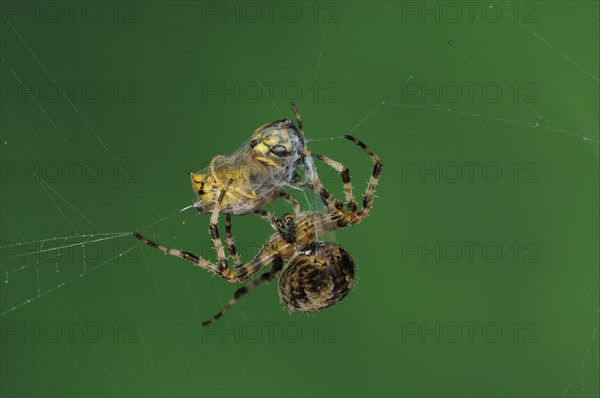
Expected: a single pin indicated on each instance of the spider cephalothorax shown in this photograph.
(286, 227)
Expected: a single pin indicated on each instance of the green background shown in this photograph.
(154, 65)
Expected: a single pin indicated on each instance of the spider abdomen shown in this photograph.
(320, 275)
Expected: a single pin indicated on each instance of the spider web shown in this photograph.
(80, 223)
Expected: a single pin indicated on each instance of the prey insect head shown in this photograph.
(277, 143)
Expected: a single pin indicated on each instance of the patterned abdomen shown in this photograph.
(320, 275)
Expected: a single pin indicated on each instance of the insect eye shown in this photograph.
(280, 150)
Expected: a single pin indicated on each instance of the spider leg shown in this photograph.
(264, 214)
(271, 218)
(345, 173)
(187, 256)
(373, 180)
(272, 221)
(293, 202)
(242, 272)
(328, 200)
(231, 243)
(316, 186)
(267, 216)
(262, 259)
(212, 168)
(213, 229)
(265, 277)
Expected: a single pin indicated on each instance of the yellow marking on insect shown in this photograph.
(262, 148)
(208, 197)
(269, 161)
(197, 181)
(272, 140)
(207, 186)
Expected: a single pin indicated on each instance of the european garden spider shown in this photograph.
(318, 274)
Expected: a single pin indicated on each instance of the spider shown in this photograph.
(318, 274)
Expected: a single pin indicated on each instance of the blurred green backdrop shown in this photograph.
(478, 266)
